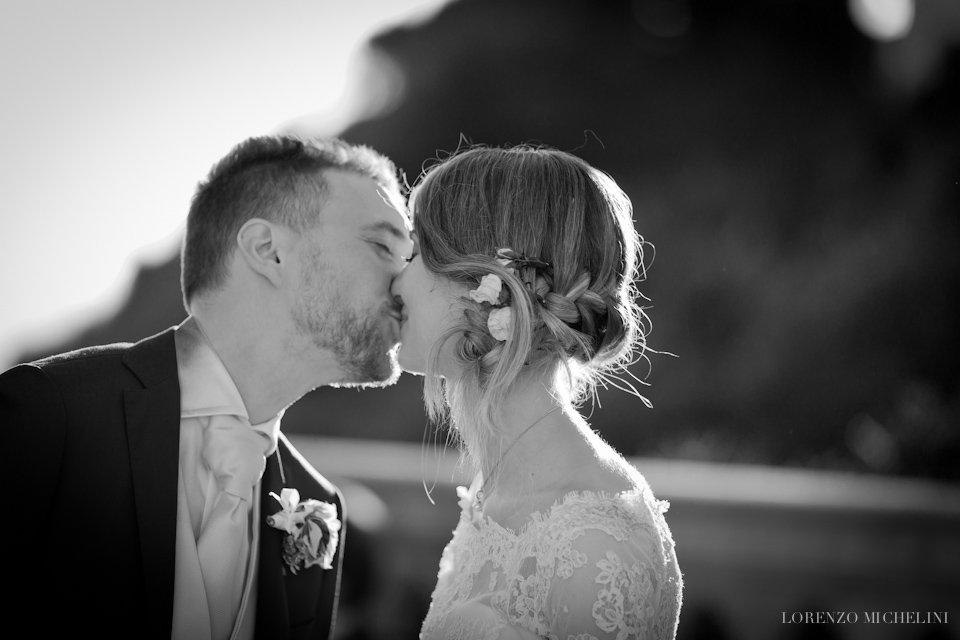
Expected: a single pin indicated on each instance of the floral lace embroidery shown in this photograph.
(569, 559)
(524, 601)
(519, 572)
(475, 629)
(625, 601)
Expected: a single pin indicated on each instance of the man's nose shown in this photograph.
(395, 286)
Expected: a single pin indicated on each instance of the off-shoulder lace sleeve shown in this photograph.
(594, 567)
(613, 590)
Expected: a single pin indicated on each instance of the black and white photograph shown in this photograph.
(481, 319)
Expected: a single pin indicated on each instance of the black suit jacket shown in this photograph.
(90, 452)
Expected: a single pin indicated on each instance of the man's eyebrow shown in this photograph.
(392, 229)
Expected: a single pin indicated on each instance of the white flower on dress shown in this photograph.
(466, 498)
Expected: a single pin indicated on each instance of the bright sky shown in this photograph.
(113, 110)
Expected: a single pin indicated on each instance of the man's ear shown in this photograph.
(259, 242)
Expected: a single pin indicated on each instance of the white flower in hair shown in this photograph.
(504, 257)
(500, 322)
(489, 289)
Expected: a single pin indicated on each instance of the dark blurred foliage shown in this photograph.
(804, 214)
(701, 623)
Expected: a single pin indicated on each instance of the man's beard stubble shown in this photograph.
(354, 336)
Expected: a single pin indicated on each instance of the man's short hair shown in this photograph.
(278, 178)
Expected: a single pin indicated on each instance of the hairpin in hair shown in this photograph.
(510, 258)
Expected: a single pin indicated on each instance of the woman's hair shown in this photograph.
(576, 319)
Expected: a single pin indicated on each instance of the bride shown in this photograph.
(518, 300)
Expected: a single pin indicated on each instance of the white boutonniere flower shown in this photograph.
(312, 530)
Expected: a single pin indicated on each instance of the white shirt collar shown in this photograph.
(206, 388)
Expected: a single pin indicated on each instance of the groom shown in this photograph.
(139, 476)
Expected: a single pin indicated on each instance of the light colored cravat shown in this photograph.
(235, 454)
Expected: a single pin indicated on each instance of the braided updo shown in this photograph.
(573, 304)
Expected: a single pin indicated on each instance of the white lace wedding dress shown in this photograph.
(595, 566)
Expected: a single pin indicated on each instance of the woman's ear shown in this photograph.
(259, 242)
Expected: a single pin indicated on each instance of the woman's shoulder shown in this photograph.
(608, 503)
(606, 546)
(621, 511)
(597, 484)
(607, 484)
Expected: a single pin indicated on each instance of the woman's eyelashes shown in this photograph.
(415, 251)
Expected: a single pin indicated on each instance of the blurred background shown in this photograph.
(795, 165)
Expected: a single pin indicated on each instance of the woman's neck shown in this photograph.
(542, 437)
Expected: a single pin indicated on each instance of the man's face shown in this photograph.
(342, 303)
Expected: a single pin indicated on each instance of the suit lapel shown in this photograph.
(273, 618)
(153, 431)
(285, 600)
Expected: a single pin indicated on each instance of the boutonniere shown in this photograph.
(312, 527)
